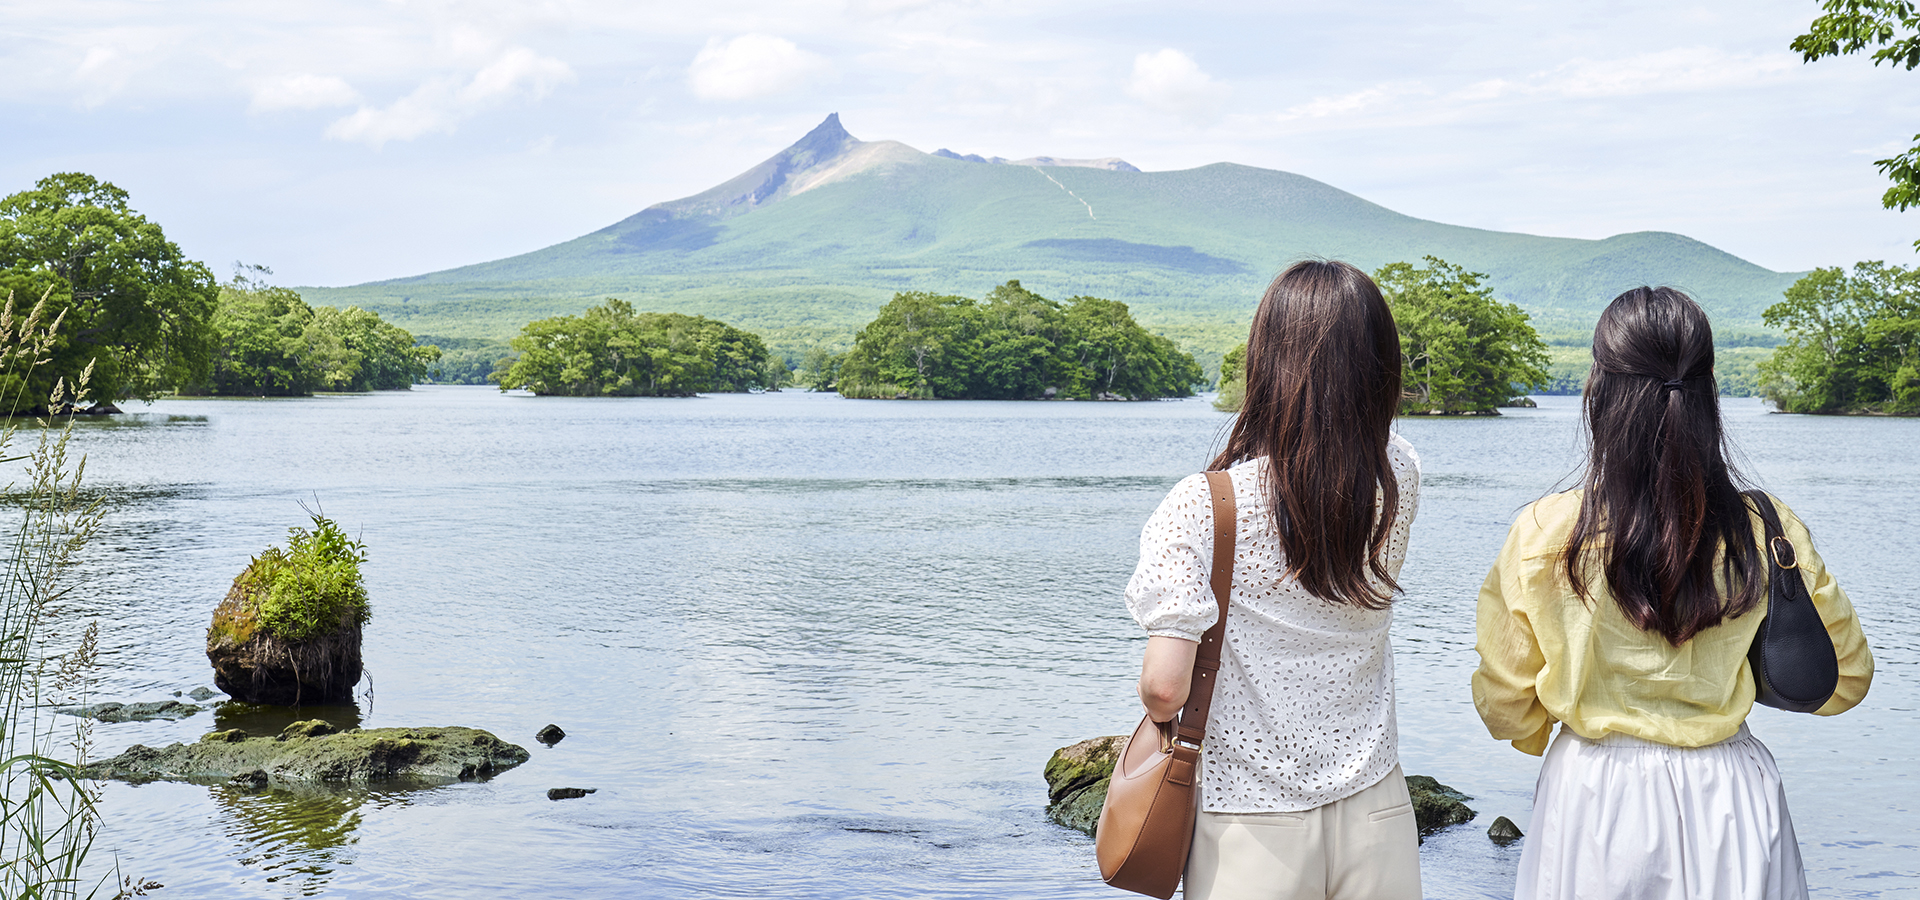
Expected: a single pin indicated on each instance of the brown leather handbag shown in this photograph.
(1146, 824)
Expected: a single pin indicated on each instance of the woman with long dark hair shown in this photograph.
(1301, 793)
(1624, 610)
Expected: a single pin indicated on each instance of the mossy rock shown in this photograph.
(1436, 806)
(252, 663)
(305, 754)
(1077, 778)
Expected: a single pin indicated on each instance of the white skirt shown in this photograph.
(1621, 817)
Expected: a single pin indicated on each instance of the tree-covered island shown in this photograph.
(1012, 345)
(1853, 343)
(613, 351)
(268, 342)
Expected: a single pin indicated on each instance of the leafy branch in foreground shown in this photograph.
(48, 818)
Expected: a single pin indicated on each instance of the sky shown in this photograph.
(344, 141)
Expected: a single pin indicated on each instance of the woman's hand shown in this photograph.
(1166, 673)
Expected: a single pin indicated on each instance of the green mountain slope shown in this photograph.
(804, 247)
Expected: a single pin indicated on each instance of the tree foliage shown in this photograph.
(134, 307)
(612, 351)
(1853, 342)
(1892, 27)
(1013, 345)
(269, 343)
(1464, 350)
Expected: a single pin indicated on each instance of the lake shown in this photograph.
(813, 647)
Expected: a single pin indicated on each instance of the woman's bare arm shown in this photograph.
(1166, 673)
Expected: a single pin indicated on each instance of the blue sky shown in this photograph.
(340, 141)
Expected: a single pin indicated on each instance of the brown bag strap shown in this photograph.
(1192, 727)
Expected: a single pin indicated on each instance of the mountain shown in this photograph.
(806, 245)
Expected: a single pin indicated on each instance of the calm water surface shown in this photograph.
(812, 647)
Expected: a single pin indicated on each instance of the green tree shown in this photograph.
(1853, 342)
(1233, 380)
(1893, 27)
(819, 369)
(132, 305)
(1464, 350)
(612, 351)
(920, 345)
(270, 343)
(387, 358)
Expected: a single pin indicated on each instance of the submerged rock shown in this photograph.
(375, 754)
(1077, 778)
(1504, 832)
(569, 793)
(202, 694)
(132, 712)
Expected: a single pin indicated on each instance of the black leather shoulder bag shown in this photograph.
(1794, 666)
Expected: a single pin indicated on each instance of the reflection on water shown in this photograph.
(264, 719)
(805, 646)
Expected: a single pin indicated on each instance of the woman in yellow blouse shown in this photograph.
(1623, 610)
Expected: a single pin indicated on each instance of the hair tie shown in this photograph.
(1673, 385)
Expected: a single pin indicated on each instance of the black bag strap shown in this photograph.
(1779, 549)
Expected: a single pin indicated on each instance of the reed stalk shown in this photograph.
(48, 816)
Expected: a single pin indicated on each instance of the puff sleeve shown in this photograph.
(1169, 593)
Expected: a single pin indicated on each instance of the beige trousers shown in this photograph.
(1365, 847)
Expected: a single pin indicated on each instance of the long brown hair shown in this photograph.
(1322, 387)
(1658, 485)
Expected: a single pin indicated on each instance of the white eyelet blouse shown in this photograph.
(1303, 710)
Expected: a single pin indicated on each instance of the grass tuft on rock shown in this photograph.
(313, 586)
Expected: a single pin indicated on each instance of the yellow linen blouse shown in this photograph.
(1546, 656)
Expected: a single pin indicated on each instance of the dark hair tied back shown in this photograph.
(1658, 485)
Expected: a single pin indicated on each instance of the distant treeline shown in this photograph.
(1013, 345)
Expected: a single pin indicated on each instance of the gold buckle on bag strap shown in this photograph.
(1784, 558)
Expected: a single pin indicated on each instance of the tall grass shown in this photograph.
(48, 816)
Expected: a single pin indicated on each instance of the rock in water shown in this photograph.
(1436, 806)
(550, 736)
(254, 665)
(1504, 832)
(1077, 779)
(132, 712)
(569, 793)
(372, 755)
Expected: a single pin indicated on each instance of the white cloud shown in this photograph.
(1356, 102)
(440, 104)
(1680, 70)
(750, 66)
(1170, 81)
(303, 92)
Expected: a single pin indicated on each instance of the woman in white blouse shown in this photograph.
(1301, 793)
